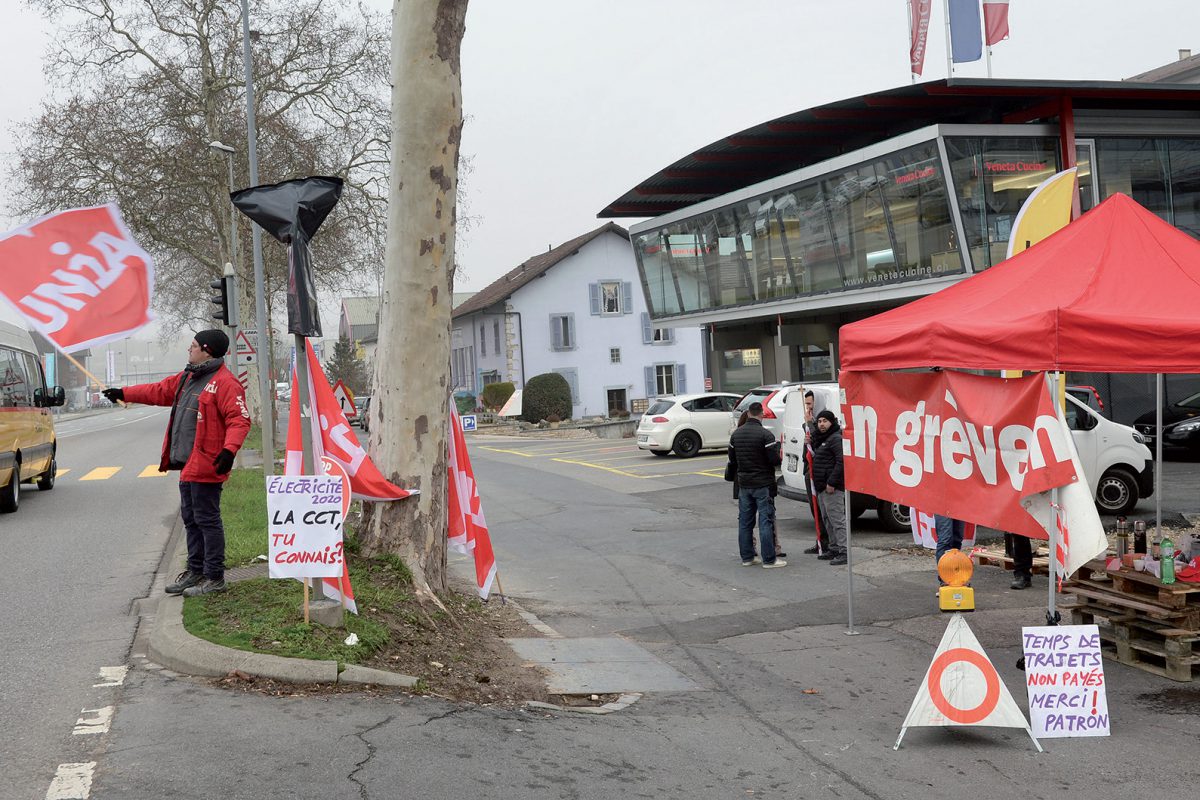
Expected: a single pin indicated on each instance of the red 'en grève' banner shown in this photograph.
(955, 444)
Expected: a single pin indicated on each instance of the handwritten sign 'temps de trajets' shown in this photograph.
(304, 526)
(1064, 674)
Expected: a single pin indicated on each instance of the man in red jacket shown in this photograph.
(208, 423)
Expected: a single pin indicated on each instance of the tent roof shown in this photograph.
(1117, 290)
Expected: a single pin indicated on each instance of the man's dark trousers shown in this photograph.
(200, 507)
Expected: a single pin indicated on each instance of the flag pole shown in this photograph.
(908, 8)
(949, 46)
(503, 601)
(306, 601)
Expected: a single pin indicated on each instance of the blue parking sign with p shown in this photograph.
(468, 422)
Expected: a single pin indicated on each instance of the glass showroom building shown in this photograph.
(774, 237)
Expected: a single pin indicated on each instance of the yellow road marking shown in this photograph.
(58, 473)
(597, 466)
(151, 472)
(511, 452)
(101, 474)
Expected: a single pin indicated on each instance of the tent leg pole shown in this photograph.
(850, 631)
(1051, 611)
(1158, 461)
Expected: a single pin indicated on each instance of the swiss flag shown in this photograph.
(78, 277)
(468, 529)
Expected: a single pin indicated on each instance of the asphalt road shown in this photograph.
(596, 543)
(75, 559)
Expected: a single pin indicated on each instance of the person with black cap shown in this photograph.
(829, 482)
(208, 423)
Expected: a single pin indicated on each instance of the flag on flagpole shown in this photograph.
(468, 531)
(995, 21)
(918, 35)
(337, 450)
(966, 41)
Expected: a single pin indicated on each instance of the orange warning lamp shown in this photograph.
(955, 570)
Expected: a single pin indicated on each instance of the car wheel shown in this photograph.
(660, 452)
(1117, 492)
(687, 444)
(45, 481)
(894, 516)
(10, 497)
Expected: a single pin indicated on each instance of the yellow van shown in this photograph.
(28, 446)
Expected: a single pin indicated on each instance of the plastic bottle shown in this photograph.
(1167, 559)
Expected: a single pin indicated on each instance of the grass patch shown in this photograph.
(253, 438)
(244, 512)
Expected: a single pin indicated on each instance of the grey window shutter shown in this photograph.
(627, 297)
(668, 334)
(651, 389)
(570, 343)
(573, 380)
(556, 342)
(594, 298)
(647, 329)
(680, 379)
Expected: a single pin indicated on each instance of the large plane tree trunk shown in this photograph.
(412, 392)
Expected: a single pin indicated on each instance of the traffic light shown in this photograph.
(225, 298)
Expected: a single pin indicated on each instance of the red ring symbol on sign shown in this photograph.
(964, 716)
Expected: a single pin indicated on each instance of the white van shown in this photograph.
(1115, 459)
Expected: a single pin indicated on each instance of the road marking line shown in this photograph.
(112, 676)
(511, 452)
(151, 472)
(71, 782)
(101, 474)
(597, 466)
(58, 473)
(102, 718)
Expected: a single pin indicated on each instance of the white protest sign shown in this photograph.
(304, 515)
(1064, 674)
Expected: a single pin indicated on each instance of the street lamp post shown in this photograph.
(218, 147)
(260, 295)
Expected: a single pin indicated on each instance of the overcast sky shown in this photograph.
(572, 102)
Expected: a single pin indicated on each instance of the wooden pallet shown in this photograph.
(996, 557)
(1135, 641)
(1105, 595)
(1143, 584)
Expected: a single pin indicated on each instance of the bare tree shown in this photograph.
(140, 87)
(411, 396)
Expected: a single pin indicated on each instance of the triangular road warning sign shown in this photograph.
(345, 399)
(961, 687)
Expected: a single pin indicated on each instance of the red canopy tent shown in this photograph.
(1117, 290)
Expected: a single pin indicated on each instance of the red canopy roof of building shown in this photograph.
(1117, 290)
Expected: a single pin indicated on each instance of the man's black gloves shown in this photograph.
(113, 395)
(223, 462)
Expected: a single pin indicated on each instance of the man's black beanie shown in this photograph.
(214, 342)
(827, 414)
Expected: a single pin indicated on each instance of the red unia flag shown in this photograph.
(468, 529)
(78, 277)
(339, 588)
(332, 437)
(995, 21)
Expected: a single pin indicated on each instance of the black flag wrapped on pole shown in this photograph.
(292, 212)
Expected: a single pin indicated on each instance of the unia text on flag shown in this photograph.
(78, 277)
(966, 41)
(468, 531)
(995, 21)
(918, 34)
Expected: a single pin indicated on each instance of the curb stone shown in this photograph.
(173, 647)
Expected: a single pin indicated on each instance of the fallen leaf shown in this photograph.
(811, 691)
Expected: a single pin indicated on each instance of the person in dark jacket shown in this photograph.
(756, 454)
(829, 481)
(208, 423)
(810, 428)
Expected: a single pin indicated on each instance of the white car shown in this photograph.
(773, 398)
(686, 423)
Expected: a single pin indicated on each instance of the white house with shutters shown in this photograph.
(577, 310)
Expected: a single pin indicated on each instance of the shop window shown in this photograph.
(1136, 167)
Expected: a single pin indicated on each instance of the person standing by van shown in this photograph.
(829, 482)
(208, 423)
(821, 548)
(756, 453)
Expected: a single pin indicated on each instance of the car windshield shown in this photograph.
(753, 396)
(660, 407)
(1190, 402)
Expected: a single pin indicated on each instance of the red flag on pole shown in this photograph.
(468, 530)
(78, 277)
(918, 16)
(995, 21)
